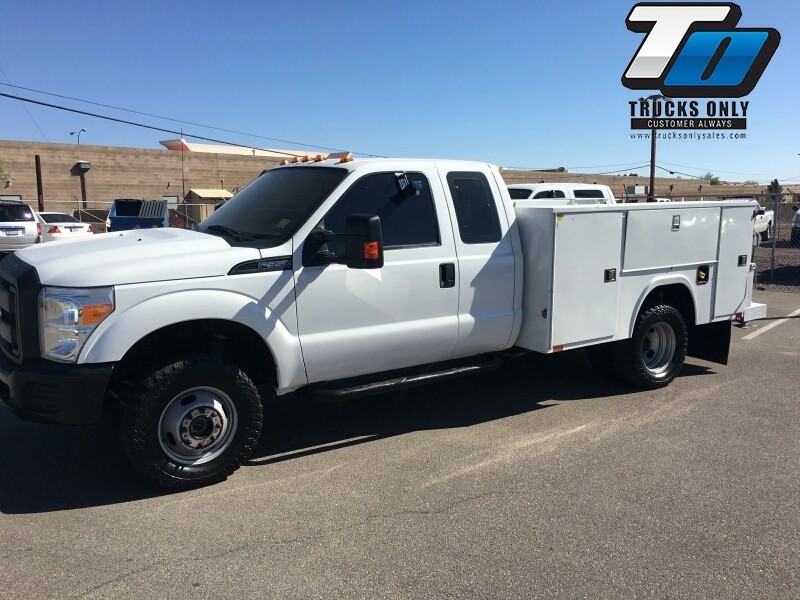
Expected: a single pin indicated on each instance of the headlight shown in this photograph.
(67, 317)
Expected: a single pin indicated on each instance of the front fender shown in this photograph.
(127, 326)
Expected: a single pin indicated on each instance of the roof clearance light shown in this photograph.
(318, 158)
(285, 161)
(305, 158)
(295, 159)
(346, 158)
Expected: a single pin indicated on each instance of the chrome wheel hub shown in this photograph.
(197, 425)
(658, 348)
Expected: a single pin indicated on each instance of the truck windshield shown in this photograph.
(268, 211)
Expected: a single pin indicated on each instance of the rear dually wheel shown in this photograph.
(655, 353)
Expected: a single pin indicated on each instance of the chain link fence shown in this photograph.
(182, 214)
(776, 233)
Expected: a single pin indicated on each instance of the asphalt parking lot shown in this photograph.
(541, 480)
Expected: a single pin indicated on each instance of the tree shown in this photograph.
(774, 189)
(712, 179)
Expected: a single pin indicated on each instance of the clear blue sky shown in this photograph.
(519, 84)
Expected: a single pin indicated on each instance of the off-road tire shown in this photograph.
(157, 390)
(631, 355)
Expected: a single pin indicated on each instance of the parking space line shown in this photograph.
(757, 333)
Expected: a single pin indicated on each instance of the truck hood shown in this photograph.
(135, 256)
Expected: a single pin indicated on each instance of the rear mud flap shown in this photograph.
(710, 342)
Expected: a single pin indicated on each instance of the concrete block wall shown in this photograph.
(119, 172)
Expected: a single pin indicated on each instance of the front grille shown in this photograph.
(9, 338)
(19, 309)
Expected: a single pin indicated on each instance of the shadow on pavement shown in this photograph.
(50, 468)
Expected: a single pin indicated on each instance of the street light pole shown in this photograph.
(78, 133)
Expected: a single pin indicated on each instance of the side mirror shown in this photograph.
(362, 239)
(363, 242)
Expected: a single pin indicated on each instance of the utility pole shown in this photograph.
(653, 132)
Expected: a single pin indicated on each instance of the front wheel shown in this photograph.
(655, 353)
(191, 422)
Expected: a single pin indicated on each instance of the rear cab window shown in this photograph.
(547, 194)
(519, 194)
(57, 218)
(589, 194)
(13, 213)
(475, 207)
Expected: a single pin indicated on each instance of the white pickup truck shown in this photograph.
(343, 277)
(563, 193)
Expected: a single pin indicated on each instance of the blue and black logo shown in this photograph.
(696, 50)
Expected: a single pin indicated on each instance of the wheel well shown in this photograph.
(677, 296)
(237, 342)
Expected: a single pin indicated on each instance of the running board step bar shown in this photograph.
(327, 394)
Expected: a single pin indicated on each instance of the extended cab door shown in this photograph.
(352, 321)
(486, 262)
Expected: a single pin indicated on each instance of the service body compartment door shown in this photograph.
(670, 236)
(588, 247)
(735, 251)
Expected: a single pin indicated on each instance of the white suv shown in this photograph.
(18, 227)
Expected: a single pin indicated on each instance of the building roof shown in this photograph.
(206, 193)
(181, 145)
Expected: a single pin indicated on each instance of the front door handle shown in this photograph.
(447, 275)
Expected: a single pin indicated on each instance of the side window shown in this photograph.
(589, 194)
(475, 207)
(408, 216)
(549, 194)
(519, 193)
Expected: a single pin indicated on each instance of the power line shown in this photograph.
(571, 167)
(713, 170)
(144, 114)
(613, 172)
(123, 121)
(23, 104)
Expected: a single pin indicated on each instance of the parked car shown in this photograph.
(18, 227)
(60, 226)
(762, 226)
(563, 193)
